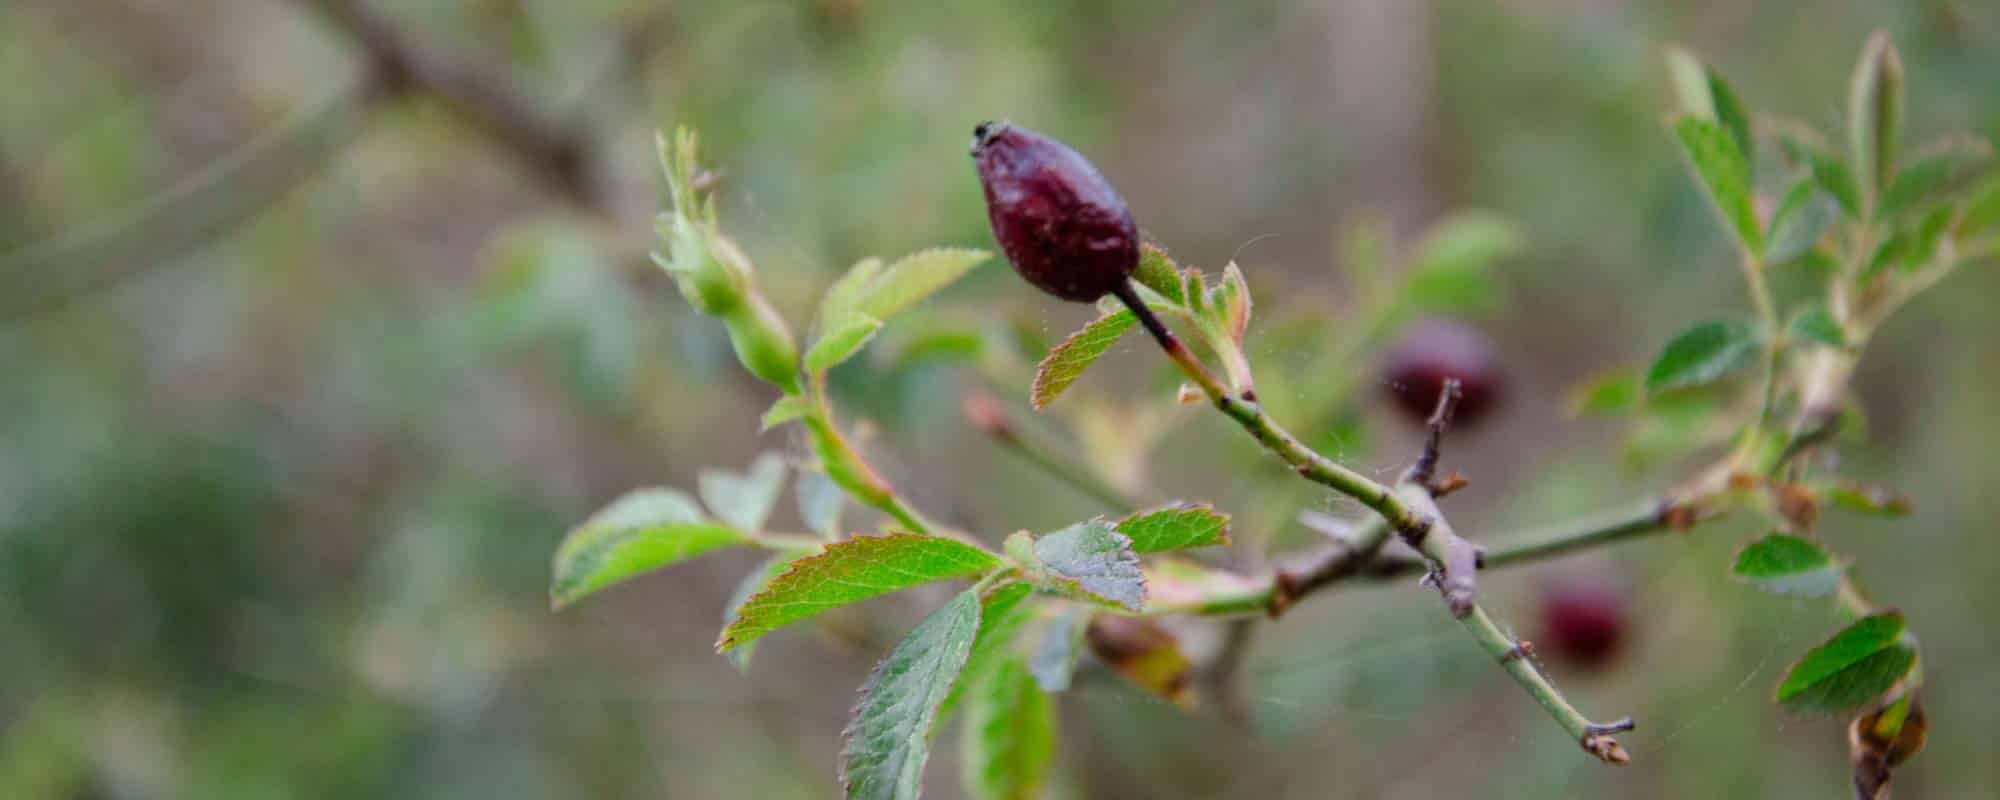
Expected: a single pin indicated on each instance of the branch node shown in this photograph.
(1597, 741)
(1422, 472)
(1521, 649)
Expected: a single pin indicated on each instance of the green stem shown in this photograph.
(1519, 663)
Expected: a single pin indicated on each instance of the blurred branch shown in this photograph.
(56, 271)
(983, 412)
(557, 147)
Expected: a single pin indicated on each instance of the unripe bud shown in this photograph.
(763, 342)
(1059, 221)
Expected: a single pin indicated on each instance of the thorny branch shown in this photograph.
(1410, 509)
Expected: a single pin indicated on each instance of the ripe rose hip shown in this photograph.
(1432, 350)
(1059, 221)
(1583, 622)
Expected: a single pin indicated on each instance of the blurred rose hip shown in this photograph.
(1583, 622)
(1432, 350)
(1059, 221)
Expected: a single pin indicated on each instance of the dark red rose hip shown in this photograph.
(1583, 621)
(1059, 221)
(1432, 350)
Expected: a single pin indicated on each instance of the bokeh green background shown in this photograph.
(282, 458)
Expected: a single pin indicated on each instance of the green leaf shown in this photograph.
(841, 342)
(1091, 561)
(1830, 173)
(888, 740)
(842, 297)
(1175, 527)
(849, 572)
(1816, 324)
(640, 532)
(1230, 303)
(1730, 113)
(1158, 272)
(1010, 735)
(1002, 612)
(745, 500)
(1785, 564)
(1725, 173)
(1613, 391)
(1702, 354)
(1802, 216)
(915, 277)
(1982, 209)
(1053, 660)
(1452, 267)
(1875, 110)
(1895, 249)
(1942, 170)
(1924, 239)
(750, 585)
(1691, 84)
(820, 501)
(1857, 665)
(788, 408)
(1066, 361)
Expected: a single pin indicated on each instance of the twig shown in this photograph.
(1409, 508)
(983, 412)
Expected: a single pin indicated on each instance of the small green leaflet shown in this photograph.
(1785, 564)
(640, 532)
(1946, 167)
(1703, 93)
(1802, 216)
(1816, 324)
(849, 572)
(1002, 612)
(1066, 361)
(1010, 735)
(1175, 527)
(1158, 272)
(915, 277)
(1875, 109)
(1702, 354)
(1613, 391)
(1830, 173)
(788, 408)
(888, 740)
(1725, 174)
(841, 341)
(841, 298)
(1854, 667)
(1869, 500)
(1091, 561)
(771, 568)
(745, 500)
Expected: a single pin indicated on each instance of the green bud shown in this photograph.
(764, 343)
(711, 271)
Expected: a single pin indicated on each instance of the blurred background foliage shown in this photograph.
(305, 366)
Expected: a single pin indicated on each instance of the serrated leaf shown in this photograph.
(638, 533)
(1175, 527)
(1785, 564)
(1816, 324)
(1702, 354)
(840, 298)
(1068, 360)
(1143, 652)
(915, 277)
(751, 583)
(1158, 272)
(888, 740)
(840, 342)
(1804, 214)
(849, 572)
(1725, 173)
(788, 408)
(1010, 735)
(1942, 170)
(1613, 391)
(820, 501)
(1053, 660)
(1451, 269)
(1002, 612)
(744, 500)
(1853, 667)
(1091, 561)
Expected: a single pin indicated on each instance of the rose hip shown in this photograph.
(1058, 220)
